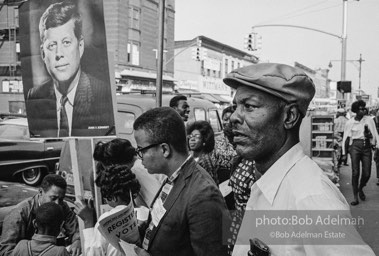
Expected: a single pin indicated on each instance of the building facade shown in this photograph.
(132, 42)
(203, 72)
(320, 79)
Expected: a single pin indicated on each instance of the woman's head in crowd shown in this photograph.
(114, 176)
(200, 136)
(117, 183)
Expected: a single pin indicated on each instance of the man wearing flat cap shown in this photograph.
(272, 99)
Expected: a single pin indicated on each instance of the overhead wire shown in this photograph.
(300, 12)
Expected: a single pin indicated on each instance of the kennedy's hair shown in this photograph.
(163, 125)
(53, 180)
(50, 215)
(59, 14)
(175, 100)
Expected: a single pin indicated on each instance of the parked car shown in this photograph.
(24, 158)
(131, 106)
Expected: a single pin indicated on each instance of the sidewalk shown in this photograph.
(369, 232)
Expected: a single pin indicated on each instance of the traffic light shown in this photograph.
(197, 53)
(253, 42)
(249, 41)
(344, 86)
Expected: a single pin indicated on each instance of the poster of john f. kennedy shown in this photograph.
(66, 78)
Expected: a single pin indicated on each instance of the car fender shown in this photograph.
(31, 167)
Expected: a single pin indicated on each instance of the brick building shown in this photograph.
(204, 75)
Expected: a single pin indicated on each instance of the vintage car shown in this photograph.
(24, 158)
(130, 106)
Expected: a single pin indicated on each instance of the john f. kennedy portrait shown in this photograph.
(65, 69)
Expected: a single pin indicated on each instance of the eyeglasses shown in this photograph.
(139, 150)
(196, 136)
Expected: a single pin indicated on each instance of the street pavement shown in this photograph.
(369, 208)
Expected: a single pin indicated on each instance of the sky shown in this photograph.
(229, 22)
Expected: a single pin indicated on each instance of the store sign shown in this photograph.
(214, 85)
(188, 84)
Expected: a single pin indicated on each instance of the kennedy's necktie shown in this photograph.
(63, 125)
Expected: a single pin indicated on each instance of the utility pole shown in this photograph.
(343, 37)
(162, 7)
(344, 42)
(360, 71)
(360, 60)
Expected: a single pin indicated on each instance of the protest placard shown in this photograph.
(120, 225)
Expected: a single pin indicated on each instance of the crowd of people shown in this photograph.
(213, 185)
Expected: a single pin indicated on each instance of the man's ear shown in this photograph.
(166, 150)
(35, 225)
(292, 116)
(42, 52)
(81, 46)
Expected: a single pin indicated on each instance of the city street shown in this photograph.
(369, 208)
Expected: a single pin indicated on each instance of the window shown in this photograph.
(214, 120)
(14, 132)
(199, 114)
(232, 64)
(17, 107)
(226, 67)
(133, 53)
(125, 122)
(134, 17)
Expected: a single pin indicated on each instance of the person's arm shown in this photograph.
(206, 213)
(14, 229)
(346, 134)
(374, 132)
(95, 244)
(71, 228)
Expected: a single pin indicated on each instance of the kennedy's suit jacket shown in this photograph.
(92, 112)
(193, 222)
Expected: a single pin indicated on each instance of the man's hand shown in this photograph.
(343, 158)
(141, 252)
(75, 248)
(86, 211)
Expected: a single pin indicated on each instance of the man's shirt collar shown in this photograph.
(270, 182)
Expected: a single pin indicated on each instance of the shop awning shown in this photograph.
(210, 98)
(143, 74)
(221, 98)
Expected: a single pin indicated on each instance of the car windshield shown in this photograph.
(15, 132)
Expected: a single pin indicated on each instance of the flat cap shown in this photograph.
(283, 81)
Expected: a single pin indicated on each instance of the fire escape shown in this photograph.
(10, 66)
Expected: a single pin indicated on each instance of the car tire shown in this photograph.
(32, 176)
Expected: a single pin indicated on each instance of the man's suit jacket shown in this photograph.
(194, 218)
(92, 109)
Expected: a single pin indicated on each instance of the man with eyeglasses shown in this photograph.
(188, 211)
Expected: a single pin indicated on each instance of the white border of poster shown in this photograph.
(50, 70)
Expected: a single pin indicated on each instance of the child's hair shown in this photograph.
(50, 215)
(117, 180)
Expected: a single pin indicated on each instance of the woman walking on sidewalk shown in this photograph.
(362, 133)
